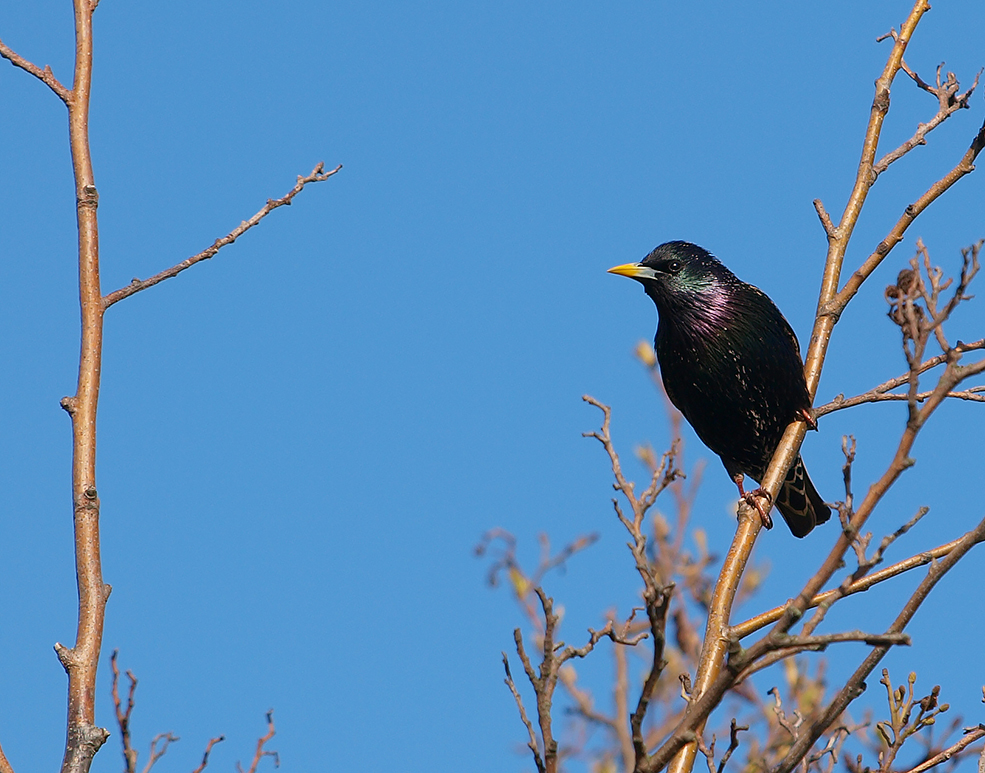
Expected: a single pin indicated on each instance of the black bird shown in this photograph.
(731, 364)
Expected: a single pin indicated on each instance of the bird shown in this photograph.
(731, 365)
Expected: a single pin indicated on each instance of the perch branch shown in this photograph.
(676, 751)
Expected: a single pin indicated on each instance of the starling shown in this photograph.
(731, 364)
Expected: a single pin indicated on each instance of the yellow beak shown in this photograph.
(632, 270)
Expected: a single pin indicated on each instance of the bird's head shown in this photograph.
(677, 273)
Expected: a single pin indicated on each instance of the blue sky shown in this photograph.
(301, 440)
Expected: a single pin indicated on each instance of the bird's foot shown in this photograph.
(752, 498)
(808, 416)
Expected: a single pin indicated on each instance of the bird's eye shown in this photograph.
(673, 266)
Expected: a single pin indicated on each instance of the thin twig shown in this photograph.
(208, 750)
(965, 166)
(734, 730)
(317, 175)
(819, 643)
(881, 392)
(970, 737)
(760, 621)
(155, 753)
(656, 594)
(123, 716)
(261, 752)
(45, 75)
(532, 743)
(949, 102)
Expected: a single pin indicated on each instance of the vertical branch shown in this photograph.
(83, 737)
(838, 237)
(716, 642)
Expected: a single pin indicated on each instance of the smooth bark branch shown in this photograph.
(45, 75)
(839, 236)
(317, 175)
(716, 642)
(5, 766)
(711, 663)
(83, 737)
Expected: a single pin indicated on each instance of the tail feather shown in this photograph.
(799, 503)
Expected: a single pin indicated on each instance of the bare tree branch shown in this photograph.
(971, 735)
(45, 75)
(155, 753)
(855, 685)
(532, 743)
(208, 750)
(83, 736)
(949, 102)
(123, 716)
(656, 594)
(5, 766)
(317, 175)
(760, 621)
(261, 752)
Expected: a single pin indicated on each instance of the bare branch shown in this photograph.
(734, 731)
(5, 766)
(920, 559)
(949, 102)
(971, 735)
(853, 688)
(45, 75)
(882, 391)
(155, 753)
(261, 752)
(317, 175)
(123, 716)
(822, 213)
(656, 594)
(965, 166)
(532, 743)
(208, 750)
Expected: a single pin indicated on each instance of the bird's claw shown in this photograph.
(808, 416)
(752, 499)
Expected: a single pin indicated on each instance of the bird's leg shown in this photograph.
(808, 416)
(751, 498)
